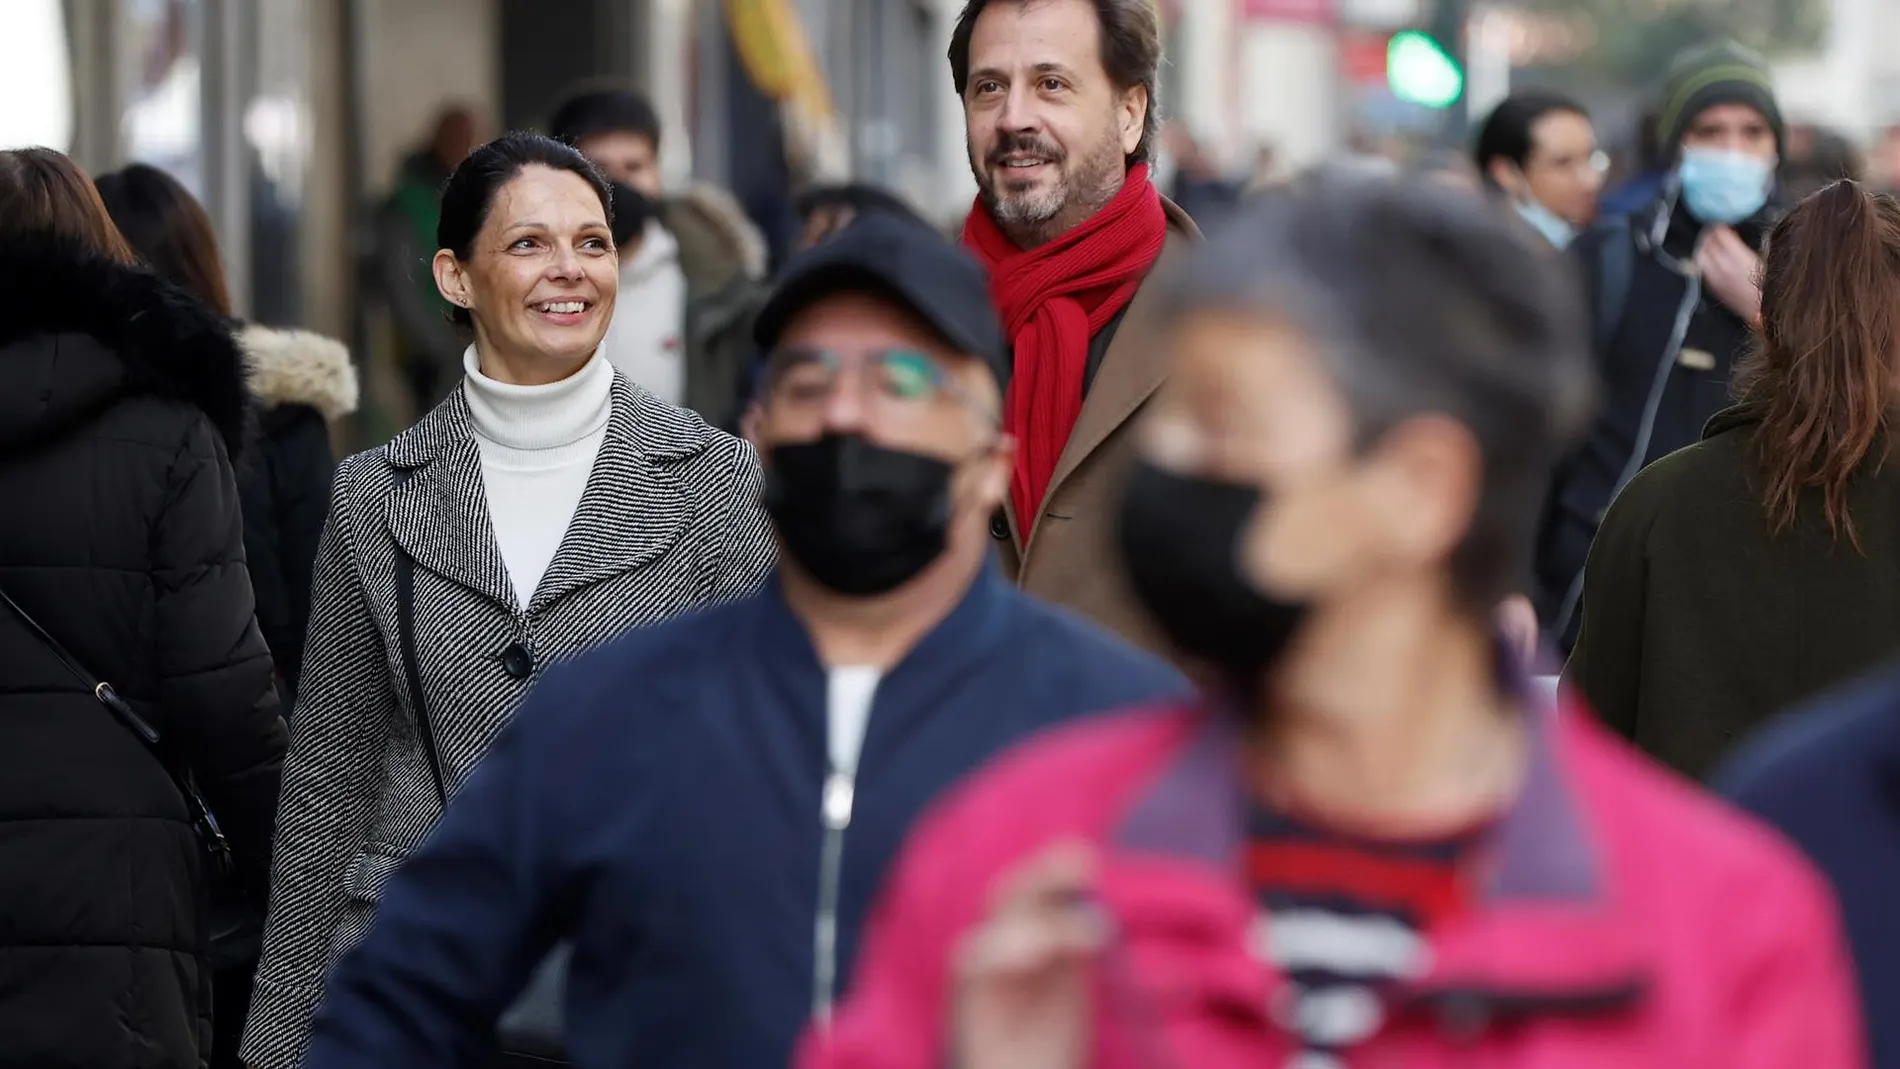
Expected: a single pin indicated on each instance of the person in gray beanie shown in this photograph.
(1712, 76)
(1673, 294)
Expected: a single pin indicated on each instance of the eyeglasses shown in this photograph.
(893, 382)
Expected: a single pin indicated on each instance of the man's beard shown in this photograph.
(1044, 212)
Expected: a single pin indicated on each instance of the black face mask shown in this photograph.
(632, 209)
(859, 518)
(1180, 538)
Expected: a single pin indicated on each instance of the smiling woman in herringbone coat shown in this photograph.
(544, 507)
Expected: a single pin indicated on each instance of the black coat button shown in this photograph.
(999, 527)
(517, 661)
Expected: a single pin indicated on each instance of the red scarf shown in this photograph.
(1052, 300)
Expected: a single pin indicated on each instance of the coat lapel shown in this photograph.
(631, 513)
(439, 513)
(1130, 373)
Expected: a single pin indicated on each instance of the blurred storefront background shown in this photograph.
(291, 117)
(217, 92)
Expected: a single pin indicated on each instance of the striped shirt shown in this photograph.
(1344, 918)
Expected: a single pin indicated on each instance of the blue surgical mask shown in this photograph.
(1724, 187)
(1555, 228)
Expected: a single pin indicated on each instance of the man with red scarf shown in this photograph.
(1058, 101)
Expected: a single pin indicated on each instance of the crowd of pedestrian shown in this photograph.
(1074, 640)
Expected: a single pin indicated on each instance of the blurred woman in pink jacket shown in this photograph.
(1372, 844)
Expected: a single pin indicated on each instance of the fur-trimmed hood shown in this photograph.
(142, 337)
(296, 367)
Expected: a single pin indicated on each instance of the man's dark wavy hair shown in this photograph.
(1131, 54)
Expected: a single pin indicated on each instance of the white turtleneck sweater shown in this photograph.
(538, 445)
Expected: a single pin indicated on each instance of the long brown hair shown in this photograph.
(168, 229)
(1822, 373)
(42, 193)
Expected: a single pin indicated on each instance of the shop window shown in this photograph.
(36, 97)
(163, 121)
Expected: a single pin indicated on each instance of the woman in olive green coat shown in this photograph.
(1761, 565)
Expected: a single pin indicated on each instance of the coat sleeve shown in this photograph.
(1606, 664)
(462, 925)
(747, 549)
(1793, 999)
(301, 473)
(216, 690)
(261, 544)
(332, 782)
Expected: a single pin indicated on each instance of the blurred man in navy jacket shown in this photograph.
(706, 808)
(1828, 776)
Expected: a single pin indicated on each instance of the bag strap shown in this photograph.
(101, 690)
(202, 819)
(412, 669)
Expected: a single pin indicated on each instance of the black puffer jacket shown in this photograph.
(301, 382)
(121, 534)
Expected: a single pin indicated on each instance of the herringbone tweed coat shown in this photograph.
(670, 521)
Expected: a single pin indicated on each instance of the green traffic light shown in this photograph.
(1420, 72)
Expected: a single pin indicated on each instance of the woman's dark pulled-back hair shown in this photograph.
(1131, 54)
(1821, 372)
(1506, 133)
(168, 229)
(470, 193)
(1419, 300)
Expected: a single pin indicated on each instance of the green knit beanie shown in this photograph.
(1702, 77)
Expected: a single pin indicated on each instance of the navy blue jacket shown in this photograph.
(658, 801)
(1829, 778)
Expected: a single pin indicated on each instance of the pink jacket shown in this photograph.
(1628, 920)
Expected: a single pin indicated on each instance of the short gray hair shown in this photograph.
(1420, 300)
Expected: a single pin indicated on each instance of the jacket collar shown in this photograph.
(975, 617)
(1740, 414)
(1544, 883)
(657, 432)
(961, 643)
(154, 339)
(633, 509)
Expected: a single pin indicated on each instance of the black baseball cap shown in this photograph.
(905, 261)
